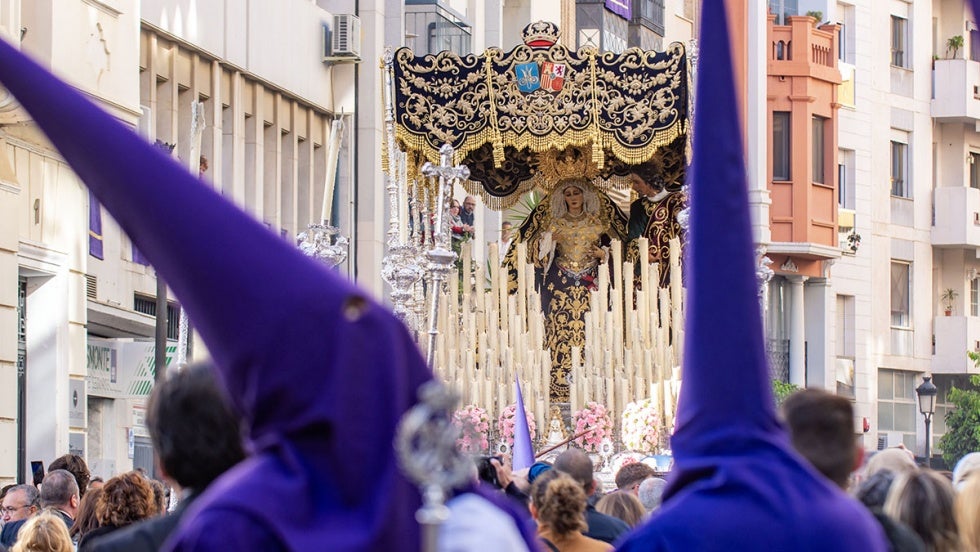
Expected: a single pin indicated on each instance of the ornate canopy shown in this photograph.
(511, 115)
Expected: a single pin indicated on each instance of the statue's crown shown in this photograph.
(541, 34)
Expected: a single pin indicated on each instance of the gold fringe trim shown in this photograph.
(498, 147)
(631, 155)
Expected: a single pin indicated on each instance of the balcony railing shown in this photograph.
(956, 90)
(788, 43)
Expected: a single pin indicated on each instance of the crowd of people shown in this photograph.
(196, 438)
(917, 508)
(321, 375)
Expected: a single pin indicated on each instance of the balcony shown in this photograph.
(957, 215)
(956, 90)
(954, 336)
(798, 49)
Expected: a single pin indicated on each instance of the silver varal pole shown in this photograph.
(441, 257)
(400, 268)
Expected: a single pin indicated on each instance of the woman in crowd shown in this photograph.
(968, 512)
(568, 237)
(623, 505)
(923, 500)
(85, 518)
(45, 532)
(126, 499)
(558, 506)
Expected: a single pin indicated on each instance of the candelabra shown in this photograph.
(400, 267)
(324, 242)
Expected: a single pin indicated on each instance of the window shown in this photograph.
(845, 38)
(780, 145)
(974, 170)
(845, 345)
(900, 153)
(944, 382)
(899, 41)
(897, 407)
(845, 178)
(974, 297)
(842, 43)
(901, 279)
(818, 149)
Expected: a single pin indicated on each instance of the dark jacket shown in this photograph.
(148, 535)
(603, 527)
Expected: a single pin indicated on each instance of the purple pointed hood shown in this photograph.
(736, 484)
(321, 372)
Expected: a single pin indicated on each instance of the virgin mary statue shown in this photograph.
(568, 236)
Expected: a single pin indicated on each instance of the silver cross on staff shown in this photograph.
(441, 257)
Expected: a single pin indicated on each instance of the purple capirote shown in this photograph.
(321, 373)
(736, 484)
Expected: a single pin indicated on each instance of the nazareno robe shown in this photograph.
(321, 373)
(736, 483)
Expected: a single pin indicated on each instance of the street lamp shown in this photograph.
(927, 406)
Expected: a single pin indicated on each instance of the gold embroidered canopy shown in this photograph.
(502, 110)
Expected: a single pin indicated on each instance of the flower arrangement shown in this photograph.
(594, 415)
(474, 426)
(505, 424)
(641, 426)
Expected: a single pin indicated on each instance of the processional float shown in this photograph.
(502, 124)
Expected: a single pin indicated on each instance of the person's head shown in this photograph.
(60, 490)
(651, 492)
(966, 466)
(923, 500)
(20, 502)
(558, 503)
(821, 428)
(873, 490)
(578, 465)
(45, 532)
(95, 483)
(622, 505)
(195, 433)
(536, 470)
(75, 465)
(573, 196)
(125, 499)
(506, 228)
(629, 477)
(469, 204)
(641, 186)
(968, 513)
(159, 496)
(86, 518)
(898, 460)
(454, 208)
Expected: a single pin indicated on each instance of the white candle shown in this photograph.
(333, 153)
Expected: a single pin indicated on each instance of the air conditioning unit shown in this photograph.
(887, 439)
(344, 40)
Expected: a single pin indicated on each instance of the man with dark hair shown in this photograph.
(76, 466)
(577, 464)
(629, 477)
(821, 428)
(196, 438)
